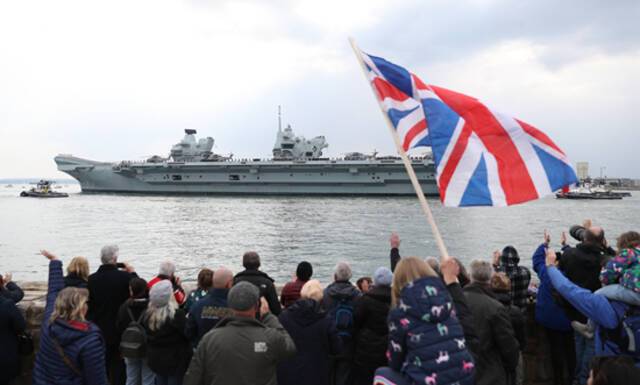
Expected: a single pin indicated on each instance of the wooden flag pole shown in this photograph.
(407, 163)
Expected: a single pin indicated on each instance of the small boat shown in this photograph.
(43, 190)
(8, 186)
(586, 192)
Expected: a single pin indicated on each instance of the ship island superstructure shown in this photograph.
(297, 167)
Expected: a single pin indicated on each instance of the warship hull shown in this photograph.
(369, 177)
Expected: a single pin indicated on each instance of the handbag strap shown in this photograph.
(64, 357)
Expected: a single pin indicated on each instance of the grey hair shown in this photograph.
(434, 263)
(167, 267)
(109, 254)
(159, 315)
(481, 271)
(342, 271)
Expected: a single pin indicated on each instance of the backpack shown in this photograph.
(627, 334)
(134, 338)
(343, 317)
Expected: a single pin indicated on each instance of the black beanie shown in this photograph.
(304, 271)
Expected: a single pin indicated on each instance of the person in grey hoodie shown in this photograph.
(242, 349)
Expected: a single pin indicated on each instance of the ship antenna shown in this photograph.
(279, 120)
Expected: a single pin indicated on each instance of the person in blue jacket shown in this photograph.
(555, 322)
(606, 314)
(71, 348)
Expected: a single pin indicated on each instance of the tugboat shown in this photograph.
(43, 190)
(586, 192)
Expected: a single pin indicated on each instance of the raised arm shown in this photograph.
(55, 284)
(596, 307)
(394, 254)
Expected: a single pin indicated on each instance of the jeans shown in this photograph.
(138, 373)
(620, 293)
(388, 376)
(584, 353)
(168, 380)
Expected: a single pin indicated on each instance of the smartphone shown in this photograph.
(120, 265)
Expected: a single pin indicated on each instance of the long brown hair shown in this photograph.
(408, 270)
(70, 304)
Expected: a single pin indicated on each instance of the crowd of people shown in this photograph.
(417, 321)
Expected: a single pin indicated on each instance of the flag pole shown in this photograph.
(407, 164)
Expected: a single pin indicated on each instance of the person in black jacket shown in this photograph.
(251, 263)
(77, 273)
(315, 337)
(108, 290)
(168, 348)
(498, 347)
(132, 310)
(12, 323)
(371, 328)
(9, 289)
(501, 286)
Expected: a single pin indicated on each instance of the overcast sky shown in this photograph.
(122, 79)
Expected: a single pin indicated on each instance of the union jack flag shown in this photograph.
(482, 157)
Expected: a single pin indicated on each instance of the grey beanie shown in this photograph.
(243, 296)
(382, 277)
(161, 293)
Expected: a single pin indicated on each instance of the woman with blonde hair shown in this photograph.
(168, 348)
(77, 273)
(71, 348)
(315, 337)
(426, 341)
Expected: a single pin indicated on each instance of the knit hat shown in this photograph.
(304, 271)
(382, 277)
(161, 293)
(243, 296)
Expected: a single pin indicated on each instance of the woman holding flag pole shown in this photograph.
(482, 158)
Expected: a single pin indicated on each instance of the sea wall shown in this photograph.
(536, 359)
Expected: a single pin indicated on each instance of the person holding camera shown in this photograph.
(108, 290)
(167, 271)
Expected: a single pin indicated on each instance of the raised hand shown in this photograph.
(587, 224)
(551, 258)
(563, 239)
(496, 257)
(450, 270)
(49, 256)
(6, 278)
(264, 307)
(394, 241)
(547, 237)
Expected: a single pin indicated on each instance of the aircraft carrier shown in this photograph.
(296, 168)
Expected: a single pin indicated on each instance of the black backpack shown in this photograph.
(134, 338)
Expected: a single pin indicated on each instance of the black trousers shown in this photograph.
(116, 369)
(563, 356)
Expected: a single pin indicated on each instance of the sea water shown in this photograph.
(211, 231)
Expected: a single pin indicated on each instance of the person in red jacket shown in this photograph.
(167, 271)
(291, 290)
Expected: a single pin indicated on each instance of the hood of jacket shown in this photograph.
(69, 332)
(253, 273)
(305, 312)
(342, 290)
(509, 258)
(427, 299)
(239, 321)
(380, 293)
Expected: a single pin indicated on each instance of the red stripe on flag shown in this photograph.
(514, 176)
(413, 132)
(387, 90)
(419, 83)
(456, 154)
(541, 136)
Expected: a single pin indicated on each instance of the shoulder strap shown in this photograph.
(133, 319)
(64, 357)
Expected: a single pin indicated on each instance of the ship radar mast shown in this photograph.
(288, 146)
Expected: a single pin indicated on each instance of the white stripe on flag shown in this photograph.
(405, 124)
(450, 146)
(528, 154)
(498, 196)
(463, 172)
